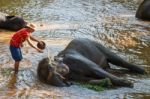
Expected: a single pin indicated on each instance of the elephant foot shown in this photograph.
(123, 83)
(102, 82)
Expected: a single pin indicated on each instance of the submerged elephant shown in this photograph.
(84, 60)
(13, 23)
(143, 11)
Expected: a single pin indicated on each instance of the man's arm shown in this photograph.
(29, 42)
(34, 39)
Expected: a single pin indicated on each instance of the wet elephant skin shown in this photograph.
(12, 23)
(88, 60)
(143, 11)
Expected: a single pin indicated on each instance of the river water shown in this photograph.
(110, 22)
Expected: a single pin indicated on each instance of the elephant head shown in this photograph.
(52, 72)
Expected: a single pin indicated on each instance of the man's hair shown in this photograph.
(26, 27)
(30, 26)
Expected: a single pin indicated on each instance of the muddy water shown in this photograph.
(110, 22)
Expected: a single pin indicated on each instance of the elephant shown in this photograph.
(84, 60)
(143, 11)
(53, 73)
(12, 23)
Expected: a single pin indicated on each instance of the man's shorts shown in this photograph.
(16, 53)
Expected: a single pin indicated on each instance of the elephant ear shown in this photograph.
(62, 69)
(43, 70)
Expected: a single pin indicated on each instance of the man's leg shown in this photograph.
(18, 59)
(17, 56)
(16, 66)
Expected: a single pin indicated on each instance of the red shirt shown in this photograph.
(19, 37)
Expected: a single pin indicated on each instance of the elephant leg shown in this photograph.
(77, 77)
(116, 60)
(102, 82)
(87, 67)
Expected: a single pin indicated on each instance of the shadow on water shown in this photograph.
(110, 22)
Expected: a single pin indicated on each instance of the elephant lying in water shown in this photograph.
(143, 11)
(13, 23)
(83, 60)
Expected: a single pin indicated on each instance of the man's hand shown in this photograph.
(39, 50)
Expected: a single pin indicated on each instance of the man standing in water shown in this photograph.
(16, 43)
